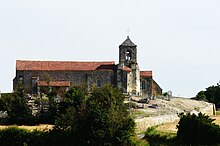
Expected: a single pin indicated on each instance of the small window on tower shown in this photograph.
(128, 56)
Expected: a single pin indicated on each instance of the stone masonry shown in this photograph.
(34, 75)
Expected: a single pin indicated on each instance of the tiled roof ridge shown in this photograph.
(60, 65)
(63, 61)
(146, 73)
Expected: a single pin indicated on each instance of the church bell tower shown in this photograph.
(128, 73)
(128, 53)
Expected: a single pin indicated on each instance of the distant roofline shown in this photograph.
(84, 61)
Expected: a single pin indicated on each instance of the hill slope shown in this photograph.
(160, 111)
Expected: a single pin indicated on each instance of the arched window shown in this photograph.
(99, 83)
(143, 85)
(128, 56)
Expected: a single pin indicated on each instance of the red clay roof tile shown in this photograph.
(125, 68)
(146, 73)
(60, 65)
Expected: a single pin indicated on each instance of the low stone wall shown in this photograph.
(144, 123)
(209, 110)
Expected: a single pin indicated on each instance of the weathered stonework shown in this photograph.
(34, 75)
(147, 91)
(76, 78)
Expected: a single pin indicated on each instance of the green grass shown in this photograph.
(139, 142)
(218, 112)
(135, 113)
(155, 137)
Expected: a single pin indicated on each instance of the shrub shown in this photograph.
(193, 129)
(14, 136)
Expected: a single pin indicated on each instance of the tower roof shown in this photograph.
(128, 43)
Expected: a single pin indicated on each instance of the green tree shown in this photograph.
(71, 110)
(211, 94)
(74, 97)
(53, 107)
(5, 101)
(48, 116)
(111, 121)
(197, 130)
(201, 96)
(17, 108)
(99, 119)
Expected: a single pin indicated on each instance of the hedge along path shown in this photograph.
(41, 127)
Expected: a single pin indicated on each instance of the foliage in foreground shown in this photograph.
(14, 136)
(192, 130)
(16, 106)
(197, 130)
(99, 119)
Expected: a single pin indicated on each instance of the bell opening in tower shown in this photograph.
(128, 56)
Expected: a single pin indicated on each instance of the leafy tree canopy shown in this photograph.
(99, 119)
(16, 106)
(211, 94)
(197, 130)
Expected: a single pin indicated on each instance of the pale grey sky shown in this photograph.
(177, 39)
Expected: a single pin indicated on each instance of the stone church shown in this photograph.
(36, 75)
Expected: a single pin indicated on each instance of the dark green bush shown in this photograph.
(197, 130)
(14, 136)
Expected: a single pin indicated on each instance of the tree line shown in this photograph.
(98, 118)
(210, 94)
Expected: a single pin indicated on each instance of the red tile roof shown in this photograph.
(60, 65)
(125, 68)
(54, 83)
(146, 73)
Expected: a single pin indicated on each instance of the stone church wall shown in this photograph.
(156, 90)
(148, 91)
(79, 78)
(106, 77)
